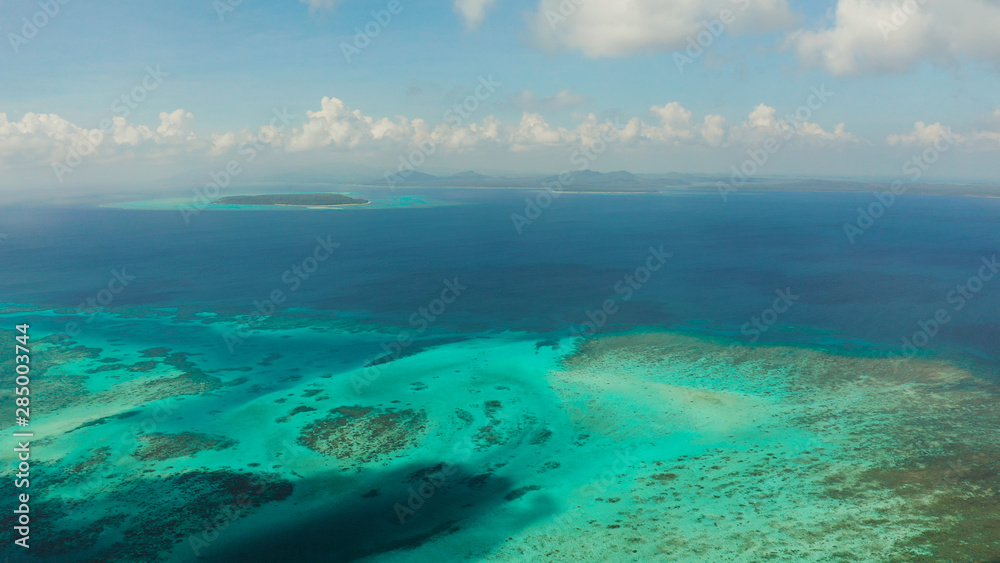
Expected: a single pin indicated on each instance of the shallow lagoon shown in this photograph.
(648, 444)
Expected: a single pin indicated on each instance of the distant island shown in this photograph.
(297, 200)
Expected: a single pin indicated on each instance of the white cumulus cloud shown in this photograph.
(315, 5)
(44, 139)
(984, 136)
(894, 36)
(473, 11)
(176, 124)
(922, 134)
(39, 139)
(613, 28)
(764, 123)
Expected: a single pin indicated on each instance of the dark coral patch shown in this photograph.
(364, 434)
(99, 456)
(155, 352)
(159, 447)
(295, 411)
(142, 366)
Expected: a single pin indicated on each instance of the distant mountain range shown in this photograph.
(309, 179)
(626, 182)
(585, 180)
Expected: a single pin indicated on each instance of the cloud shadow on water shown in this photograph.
(355, 527)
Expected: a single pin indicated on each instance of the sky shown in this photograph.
(118, 92)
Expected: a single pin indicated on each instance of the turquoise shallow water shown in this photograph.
(501, 446)
(363, 420)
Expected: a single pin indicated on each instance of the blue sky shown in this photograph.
(229, 74)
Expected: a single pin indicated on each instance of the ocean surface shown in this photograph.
(498, 375)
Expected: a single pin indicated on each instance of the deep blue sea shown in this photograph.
(728, 260)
